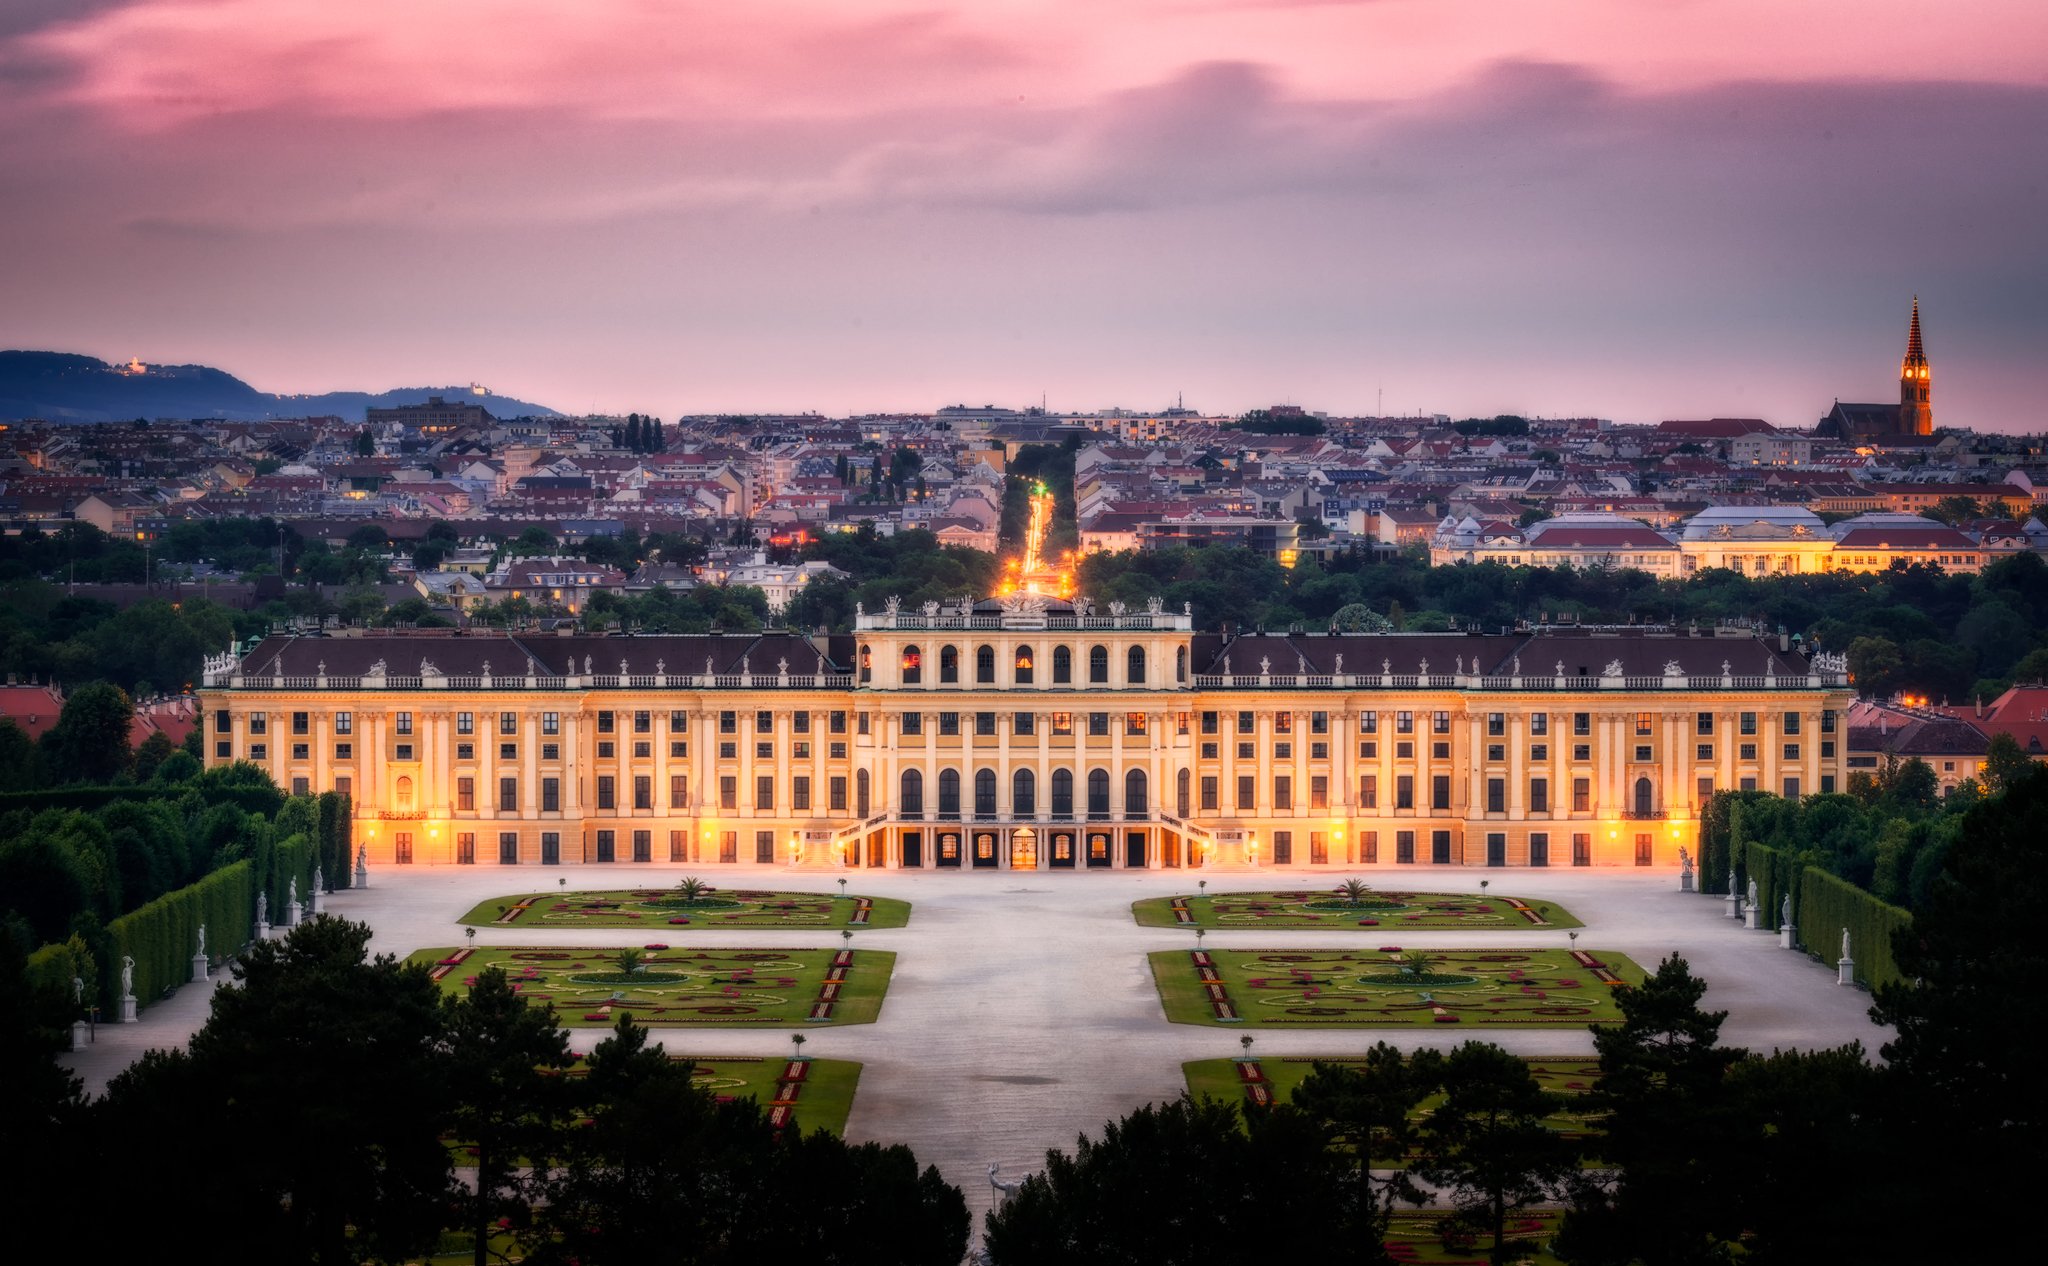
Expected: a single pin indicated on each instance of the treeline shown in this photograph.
(152, 647)
(320, 1114)
(910, 565)
(1696, 1152)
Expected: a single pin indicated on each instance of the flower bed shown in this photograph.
(1336, 988)
(1322, 909)
(661, 909)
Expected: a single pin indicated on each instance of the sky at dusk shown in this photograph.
(1635, 209)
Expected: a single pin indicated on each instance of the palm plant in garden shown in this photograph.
(1354, 891)
(1415, 963)
(628, 960)
(691, 888)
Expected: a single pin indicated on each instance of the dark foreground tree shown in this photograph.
(1184, 1183)
(1367, 1115)
(1671, 1145)
(1488, 1146)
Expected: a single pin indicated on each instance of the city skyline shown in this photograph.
(1555, 209)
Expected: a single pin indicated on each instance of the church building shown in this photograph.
(1914, 413)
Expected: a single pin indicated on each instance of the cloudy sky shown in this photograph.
(1636, 209)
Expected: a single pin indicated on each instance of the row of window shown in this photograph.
(1023, 665)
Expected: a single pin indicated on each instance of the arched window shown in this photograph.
(1024, 794)
(1024, 665)
(860, 793)
(949, 793)
(1063, 793)
(1134, 666)
(1098, 664)
(401, 794)
(867, 664)
(1098, 793)
(1645, 797)
(1181, 791)
(984, 793)
(1180, 663)
(1062, 665)
(913, 666)
(1134, 794)
(985, 666)
(949, 665)
(912, 799)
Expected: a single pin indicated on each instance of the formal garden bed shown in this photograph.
(681, 909)
(1415, 1236)
(663, 986)
(1334, 908)
(1335, 988)
(1261, 1081)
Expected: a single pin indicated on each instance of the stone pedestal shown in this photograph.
(1685, 881)
(362, 875)
(81, 1035)
(199, 972)
(313, 903)
(263, 930)
(307, 911)
(128, 1015)
(1733, 899)
(1749, 916)
(291, 915)
(1786, 939)
(1845, 971)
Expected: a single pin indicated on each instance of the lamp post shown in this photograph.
(1199, 934)
(470, 934)
(1202, 887)
(842, 888)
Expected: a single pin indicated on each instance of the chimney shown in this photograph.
(1980, 706)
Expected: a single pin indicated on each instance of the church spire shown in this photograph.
(1916, 413)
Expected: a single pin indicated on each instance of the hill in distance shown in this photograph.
(62, 387)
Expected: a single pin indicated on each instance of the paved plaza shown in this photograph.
(1022, 1012)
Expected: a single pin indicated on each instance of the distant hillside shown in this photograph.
(61, 387)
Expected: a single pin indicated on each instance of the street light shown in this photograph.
(842, 888)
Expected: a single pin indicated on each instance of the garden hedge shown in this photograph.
(1826, 905)
(160, 936)
(1776, 872)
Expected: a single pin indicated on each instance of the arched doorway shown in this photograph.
(1023, 849)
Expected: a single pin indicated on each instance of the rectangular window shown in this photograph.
(1062, 723)
(606, 749)
(1791, 788)
(1496, 753)
(800, 793)
(508, 723)
(1643, 851)
(1283, 793)
(913, 723)
(1098, 724)
(1582, 723)
(1208, 723)
(1791, 751)
(678, 721)
(1368, 723)
(1283, 848)
(1021, 723)
(728, 722)
(1440, 751)
(344, 784)
(949, 723)
(1642, 752)
(642, 749)
(1582, 850)
(551, 751)
(1283, 723)
(1440, 791)
(1539, 751)
(1539, 795)
(402, 751)
(301, 786)
(1703, 789)
(508, 848)
(1582, 752)
(1282, 751)
(1404, 723)
(1404, 791)
(1244, 751)
(1368, 791)
(1209, 793)
(643, 791)
(1247, 793)
(1582, 795)
(222, 723)
(302, 723)
(344, 751)
(465, 795)
(764, 722)
(1496, 795)
(1318, 723)
(1318, 848)
(1646, 723)
(302, 751)
(1318, 791)
(1827, 784)
(863, 724)
(1539, 723)
(1746, 751)
(551, 795)
(1703, 725)
(1749, 723)
(607, 722)
(764, 792)
(800, 722)
(835, 722)
(1496, 724)
(607, 792)
(1319, 751)
(1827, 721)
(1368, 749)
(550, 723)
(1791, 726)
(835, 790)
(344, 723)
(764, 751)
(679, 749)
(1404, 847)
(985, 724)
(678, 791)
(728, 791)
(508, 795)
(764, 846)
(1440, 723)
(1369, 847)
(1704, 752)
(838, 750)
(1539, 849)
(1134, 723)
(508, 751)
(259, 723)
(401, 725)
(728, 846)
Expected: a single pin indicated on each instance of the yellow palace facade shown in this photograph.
(1028, 733)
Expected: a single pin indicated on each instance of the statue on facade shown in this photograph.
(587, 662)
(893, 604)
(1613, 669)
(782, 666)
(376, 670)
(1386, 666)
(1672, 668)
(1339, 668)
(1517, 669)
(1727, 668)
(1424, 671)
(1265, 666)
(427, 668)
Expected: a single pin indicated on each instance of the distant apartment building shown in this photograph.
(436, 417)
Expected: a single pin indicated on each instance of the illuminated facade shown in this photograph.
(1033, 733)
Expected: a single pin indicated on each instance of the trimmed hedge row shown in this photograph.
(336, 840)
(1776, 873)
(1826, 905)
(290, 858)
(161, 936)
(258, 800)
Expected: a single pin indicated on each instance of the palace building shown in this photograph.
(1032, 732)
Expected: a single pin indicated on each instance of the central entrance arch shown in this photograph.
(1024, 849)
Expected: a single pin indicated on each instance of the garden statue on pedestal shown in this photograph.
(1845, 966)
(319, 881)
(262, 916)
(81, 1032)
(1785, 929)
(1749, 910)
(291, 902)
(362, 866)
(1684, 870)
(199, 972)
(128, 1003)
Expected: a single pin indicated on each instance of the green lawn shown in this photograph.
(758, 988)
(1335, 988)
(1413, 1237)
(1268, 1079)
(1323, 909)
(723, 909)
